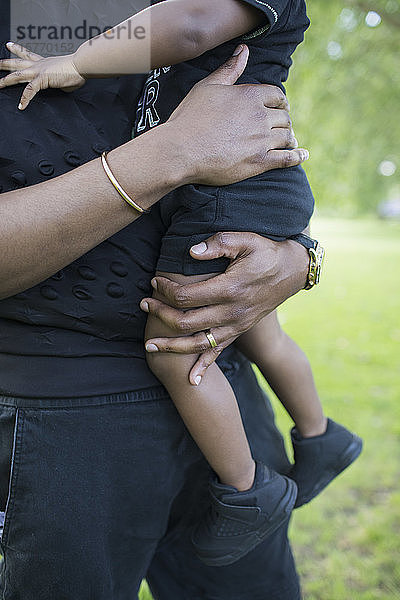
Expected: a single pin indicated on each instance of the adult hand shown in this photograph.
(233, 132)
(220, 134)
(261, 276)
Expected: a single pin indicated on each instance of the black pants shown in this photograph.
(102, 492)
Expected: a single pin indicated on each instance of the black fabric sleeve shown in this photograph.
(272, 10)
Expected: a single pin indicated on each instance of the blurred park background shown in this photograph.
(344, 91)
(345, 95)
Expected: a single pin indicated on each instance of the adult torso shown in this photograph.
(81, 331)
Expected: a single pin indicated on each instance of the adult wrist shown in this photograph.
(316, 258)
(149, 166)
(183, 165)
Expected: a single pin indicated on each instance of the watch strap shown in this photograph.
(305, 240)
(317, 256)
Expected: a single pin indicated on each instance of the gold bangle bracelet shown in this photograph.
(117, 186)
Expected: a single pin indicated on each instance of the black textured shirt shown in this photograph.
(80, 333)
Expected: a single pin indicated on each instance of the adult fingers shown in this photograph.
(194, 295)
(281, 159)
(14, 64)
(22, 52)
(227, 244)
(205, 360)
(281, 137)
(229, 73)
(192, 344)
(280, 118)
(214, 291)
(30, 92)
(186, 322)
(15, 78)
(273, 97)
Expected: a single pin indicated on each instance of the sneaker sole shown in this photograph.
(348, 456)
(285, 506)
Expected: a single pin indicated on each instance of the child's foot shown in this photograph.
(238, 521)
(319, 459)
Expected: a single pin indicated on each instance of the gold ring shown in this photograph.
(211, 339)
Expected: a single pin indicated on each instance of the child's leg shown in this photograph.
(322, 448)
(238, 519)
(209, 411)
(288, 372)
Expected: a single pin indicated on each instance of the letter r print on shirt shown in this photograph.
(147, 115)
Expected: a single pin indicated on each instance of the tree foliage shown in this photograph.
(344, 90)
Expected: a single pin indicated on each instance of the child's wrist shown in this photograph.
(74, 65)
(78, 60)
(75, 62)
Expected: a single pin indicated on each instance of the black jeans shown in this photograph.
(101, 492)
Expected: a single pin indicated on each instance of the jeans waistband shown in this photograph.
(146, 395)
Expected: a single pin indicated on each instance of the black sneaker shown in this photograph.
(238, 521)
(319, 459)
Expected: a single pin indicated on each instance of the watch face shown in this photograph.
(320, 255)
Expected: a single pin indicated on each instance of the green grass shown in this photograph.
(347, 542)
(144, 593)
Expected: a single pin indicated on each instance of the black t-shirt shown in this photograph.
(80, 333)
(271, 47)
(277, 204)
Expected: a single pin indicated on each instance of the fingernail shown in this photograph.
(151, 348)
(199, 248)
(154, 283)
(305, 155)
(20, 107)
(145, 306)
(197, 380)
(9, 44)
(238, 50)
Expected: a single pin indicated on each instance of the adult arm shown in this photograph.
(261, 276)
(46, 227)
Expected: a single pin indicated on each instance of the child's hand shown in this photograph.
(40, 73)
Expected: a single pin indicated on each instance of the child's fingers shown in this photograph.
(30, 92)
(23, 52)
(15, 78)
(14, 64)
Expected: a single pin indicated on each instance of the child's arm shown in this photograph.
(179, 30)
(167, 33)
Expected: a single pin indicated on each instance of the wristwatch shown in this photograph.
(317, 255)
